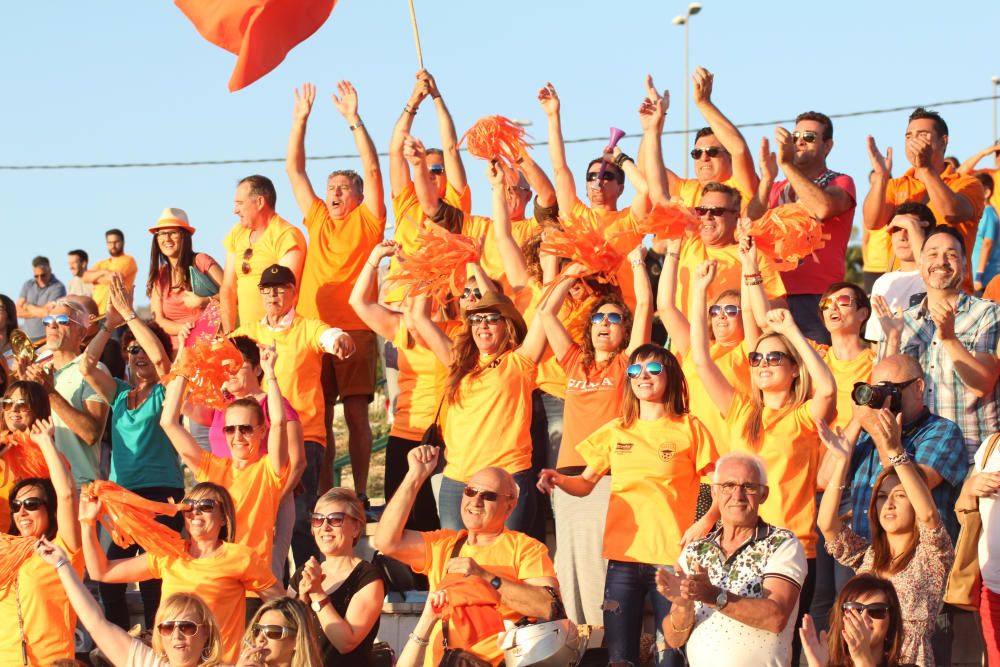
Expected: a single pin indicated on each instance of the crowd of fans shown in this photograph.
(784, 465)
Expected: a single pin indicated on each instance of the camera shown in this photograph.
(874, 395)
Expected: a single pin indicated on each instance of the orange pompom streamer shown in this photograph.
(131, 519)
(497, 138)
(23, 456)
(437, 266)
(207, 365)
(14, 551)
(787, 234)
(669, 221)
(586, 243)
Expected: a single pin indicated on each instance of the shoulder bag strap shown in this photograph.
(459, 543)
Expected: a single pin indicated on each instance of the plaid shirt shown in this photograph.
(977, 327)
(930, 440)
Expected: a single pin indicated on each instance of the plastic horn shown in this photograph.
(616, 136)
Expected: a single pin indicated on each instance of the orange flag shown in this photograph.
(260, 32)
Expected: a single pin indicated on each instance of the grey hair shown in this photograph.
(741, 457)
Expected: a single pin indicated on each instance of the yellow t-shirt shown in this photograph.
(222, 581)
(279, 238)
(790, 449)
(421, 382)
(300, 362)
(846, 373)
(479, 227)
(256, 492)
(489, 424)
(49, 619)
(337, 253)
(729, 273)
(735, 366)
(124, 265)
(876, 250)
(655, 466)
(690, 189)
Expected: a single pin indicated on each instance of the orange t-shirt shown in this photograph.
(421, 381)
(279, 239)
(790, 449)
(489, 424)
(222, 581)
(256, 491)
(655, 466)
(300, 361)
(123, 264)
(513, 556)
(479, 227)
(690, 189)
(734, 364)
(846, 373)
(618, 221)
(729, 273)
(592, 400)
(49, 619)
(908, 188)
(337, 253)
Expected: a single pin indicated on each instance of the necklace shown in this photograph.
(20, 621)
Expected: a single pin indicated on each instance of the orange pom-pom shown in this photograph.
(22, 456)
(669, 221)
(14, 551)
(787, 234)
(590, 244)
(131, 519)
(207, 364)
(497, 138)
(436, 267)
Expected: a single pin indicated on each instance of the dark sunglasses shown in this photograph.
(807, 136)
(31, 504)
(876, 611)
(613, 318)
(61, 320)
(335, 519)
(488, 496)
(187, 628)
(842, 301)
(436, 169)
(133, 350)
(774, 358)
(271, 631)
(653, 368)
(15, 404)
(714, 211)
(714, 151)
(201, 506)
(489, 318)
(244, 429)
(472, 291)
(730, 310)
(594, 175)
(247, 254)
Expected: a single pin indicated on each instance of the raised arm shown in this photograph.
(88, 423)
(449, 138)
(121, 571)
(277, 440)
(642, 318)
(821, 203)
(969, 165)
(62, 482)
(652, 115)
(399, 170)
(99, 380)
(565, 185)
(876, 211)
(887, 434)
(839, 445)
(382, 321)
(534, 344)
(514, 266)
(347, 105)
(295, 160)
(436, 339)
(187, 447)
(545, 193)
(823, 404)
(390, 537)
(730, 137)
(674, 320)
(768, 174)
(753, 297)
(121, 301)
(716, 384)
(548, 311)
(416, 155)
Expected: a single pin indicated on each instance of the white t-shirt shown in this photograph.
(140, 655)
(989, 538)
(897, 287)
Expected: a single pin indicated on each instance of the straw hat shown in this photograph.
(172, 218)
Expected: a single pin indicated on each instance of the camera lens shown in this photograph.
(862, 393)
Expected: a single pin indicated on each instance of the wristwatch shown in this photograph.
(496, 582)
(317, 605)
(721, 600)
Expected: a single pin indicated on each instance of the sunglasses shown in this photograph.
(436, 169)
(807, 136)
(613, 318)
(774, 358)
(201, 506)
(730, 310)
(61, 320)
(187, 628)
(271, 631)
(714, 151)
(474, 291)
(749, 488)
(488, 318)
(876, 611)
(231, 429)
(31, 504)
(134, 350)
(488, 496)
(714, 211)
(247, 254)
(842, 301)
(594, 175)
(335, 519)
(653, 368)
(15, 404)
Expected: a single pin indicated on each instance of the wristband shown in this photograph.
(636, 263)
(675, 255)
(752, 275)
(418, 640)
(900, 459)
(622, 159)
(978, 276)
(407, 109)
(356, 126)
(62, 561)
(753, 282)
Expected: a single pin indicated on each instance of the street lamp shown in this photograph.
(996, 81)
(685, 21)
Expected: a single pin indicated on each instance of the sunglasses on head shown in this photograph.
(202, 505)
(714, 211)
(61, 320)
(613, 318)
(652, 367)
(231, 429)
(841, 300)
(187, 628)
(773, 358)
(472, 291)
(436, 169)
(31, 504)
(594, 175)
(335, 519)
(488, 318)
(247, 254)
(808, 136)
(488, 496)
(714, 151)
(876, 610)
(731, 310)
(15, 404)
(271, 631)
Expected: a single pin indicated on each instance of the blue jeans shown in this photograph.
(625, 588)
(830, 578)
(303, 544)
(450, 503)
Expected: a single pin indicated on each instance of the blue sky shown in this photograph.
(117, 81)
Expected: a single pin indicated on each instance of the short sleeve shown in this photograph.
(258, 576)
(89, 394)
(204, 262)
(787, 560)
(596, 450)
(314, 217)
(156, 565)
(475, 226)
(706, 451)
(533, 561)
(848, 548)
(229, 242)
(846, 183)
(525, 365)
(970, 188)
(571, 359)
(432, 540)
(943, 449)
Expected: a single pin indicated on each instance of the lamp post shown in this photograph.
(685, 21)
(996, 82)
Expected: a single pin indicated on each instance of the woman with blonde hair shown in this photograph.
(280, 634)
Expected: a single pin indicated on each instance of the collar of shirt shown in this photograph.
(923, 312)
(760, 532)
(282, 324)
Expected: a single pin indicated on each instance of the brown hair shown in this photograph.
(300, 621)
(753, 431)
(251, 404)
(158, 262)
(587, 344)
(675, 396)
(465, 357)
(220, 495)
(882, 560)
(182, 606)
(34, 394)
(854, 588)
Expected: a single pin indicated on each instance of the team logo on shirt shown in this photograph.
(623, 448)
(666, 452)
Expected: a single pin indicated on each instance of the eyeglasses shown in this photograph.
(730, 310)
(653, 368)
(335, 519)
(613, 318)
(244, 429)
(273, 291)
(876, 611)
(488, 318)
(271, 631)
(436, 169)
(774, 358)
(488, 496)
(201, 506)
(31, 504)
(134, 350)
(714, 151)
(187, 628)
(594, 175)
(473, 291)
(842, 301)
(61, 320)
(168, 232)
(247, 254)
(749, 488)
(808, 136)
(17, 404)
(714, 211)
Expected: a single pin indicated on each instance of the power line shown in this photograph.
(580, 140)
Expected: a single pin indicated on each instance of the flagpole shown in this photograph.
(416, 36)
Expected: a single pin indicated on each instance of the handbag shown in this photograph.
(456, 657)
(433, 435)
(965, 579)
(201, 283)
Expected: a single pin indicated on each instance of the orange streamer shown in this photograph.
(669, 221)
(437, 266)
(497, 138)
(207, 365)
(131, 519)
(14, 551)
(788, 234)
(23, 456)
(587, 243)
